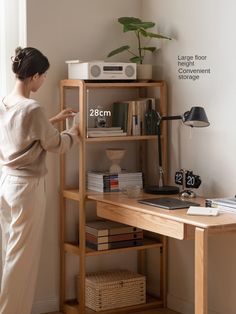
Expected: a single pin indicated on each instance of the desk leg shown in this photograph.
(201, 240)
(163, 271)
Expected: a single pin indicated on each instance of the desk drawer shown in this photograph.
(141, 220)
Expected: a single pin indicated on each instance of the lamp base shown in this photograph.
(187, 194)
(162, 190)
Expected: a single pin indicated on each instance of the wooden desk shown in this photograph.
(176, 224)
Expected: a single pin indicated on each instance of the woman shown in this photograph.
(26, 136)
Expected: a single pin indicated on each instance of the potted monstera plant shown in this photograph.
(143, 35)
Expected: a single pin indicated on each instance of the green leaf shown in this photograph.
(130, 27)
(152, 49)
(136, 27)
(128, 20)
(143, 32)
(144, 25)
(136, 59)
(132, 23)
(118, 50)
(153, 35)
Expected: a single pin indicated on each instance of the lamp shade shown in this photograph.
(196, 117)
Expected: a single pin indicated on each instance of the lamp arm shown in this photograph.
(172, 118)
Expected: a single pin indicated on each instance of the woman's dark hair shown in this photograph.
(28, 62)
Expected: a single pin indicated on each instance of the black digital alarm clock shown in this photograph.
(188, 180)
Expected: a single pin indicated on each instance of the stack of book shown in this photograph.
(226, 204)
(107, 182)
(107, 235)
(102, 181)
(131, 115)
(103, 132)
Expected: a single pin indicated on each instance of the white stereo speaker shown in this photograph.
(100, 70)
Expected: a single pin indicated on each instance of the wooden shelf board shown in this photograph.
(112, 85)
(72, 307)
(72, 194)
(120, 138)
(159, 311)
(73, 248)
(148, 244)
(153, 311)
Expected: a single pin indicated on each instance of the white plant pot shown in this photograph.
(144, 72)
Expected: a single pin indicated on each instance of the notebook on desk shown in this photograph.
(168, 203)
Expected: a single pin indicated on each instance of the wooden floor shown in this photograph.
(155, 311)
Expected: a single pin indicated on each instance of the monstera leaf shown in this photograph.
(139, 27)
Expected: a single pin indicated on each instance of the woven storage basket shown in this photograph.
(114, 289)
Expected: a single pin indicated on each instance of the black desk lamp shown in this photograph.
(196, 117)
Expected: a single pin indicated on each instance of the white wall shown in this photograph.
(65, 30)
(203, 28)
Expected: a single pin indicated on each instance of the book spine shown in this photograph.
(122, 244)
(114, 238)
(223, 208)
(113, 245)
(215, 203)
(97, 232)
(136, 125)
(120, 115)
(97, 247)
(113, 183)
(111, 231)
(122, 230)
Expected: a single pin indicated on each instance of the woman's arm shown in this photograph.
(66, 113)
(50, 138)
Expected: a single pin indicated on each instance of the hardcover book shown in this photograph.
(114, 238)
(107, 227)
(120, 115)
(113, 245)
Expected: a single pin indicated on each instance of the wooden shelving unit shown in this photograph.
(81, 196)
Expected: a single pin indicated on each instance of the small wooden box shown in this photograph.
(114, 289)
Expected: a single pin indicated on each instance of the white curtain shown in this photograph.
(12, 34)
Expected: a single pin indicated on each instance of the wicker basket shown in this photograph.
(114, 289)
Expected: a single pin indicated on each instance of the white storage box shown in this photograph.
(114, 289)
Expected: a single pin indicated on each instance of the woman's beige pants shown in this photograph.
(22, 211)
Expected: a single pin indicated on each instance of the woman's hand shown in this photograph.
(61, 116)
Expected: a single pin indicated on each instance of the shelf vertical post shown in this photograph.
(82, 193)
(62, 211)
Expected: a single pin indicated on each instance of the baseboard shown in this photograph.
(180, 305)
(183, 306)
(45, 306)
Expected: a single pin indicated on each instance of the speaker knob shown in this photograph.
(129, 71)
(95, 70)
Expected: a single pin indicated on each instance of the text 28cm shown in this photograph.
(99, 113)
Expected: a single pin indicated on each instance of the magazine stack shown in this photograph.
(108, 182)
(225, 204)
(105, 131)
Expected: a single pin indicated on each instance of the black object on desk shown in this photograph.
(196, 117)
(168, 203)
